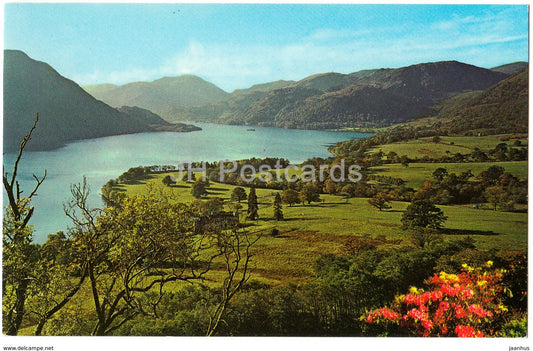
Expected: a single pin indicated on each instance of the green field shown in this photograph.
(417, 173)
(310, 230)
(449, 145)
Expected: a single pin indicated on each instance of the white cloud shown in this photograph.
(234, 66)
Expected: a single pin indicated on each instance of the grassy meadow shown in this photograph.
(422, 147)
(417, 173)
(310, 230)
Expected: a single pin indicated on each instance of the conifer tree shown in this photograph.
(278, 212)
(252, 205)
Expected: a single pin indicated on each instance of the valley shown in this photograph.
(442, 192)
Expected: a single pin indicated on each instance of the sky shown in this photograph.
(237, 45)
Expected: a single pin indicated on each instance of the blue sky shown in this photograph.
(238, 45)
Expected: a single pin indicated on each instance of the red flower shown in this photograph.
(435, 295)
(477, 310)
(465, 331)
(448, 290)
(444, 329)
(416, 314)
(427, 324)
(409, 299)
(471, 295)
(460, 312)
(444, 306)
(388, 314)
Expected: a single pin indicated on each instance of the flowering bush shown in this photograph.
(463, 305)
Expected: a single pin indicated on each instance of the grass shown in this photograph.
(417, 173)
(449, 145)
(310, 230)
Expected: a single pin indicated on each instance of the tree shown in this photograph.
(436, 139)
(207, 208)
(290, 196)
(235, 249)
(425, 192)
(198, 189)
(440, 173)
(330, 187)
(380, 201)
(124, 248)
(349, 190)
(238, 194)
(497, 196)
(309, 193)
(167, 180)
(252, 205)
(19, 253)
(501, 148)
(422, 213)
(404, 160)
(278, 212)
(491, 175)
(108, 192)
(59, 279)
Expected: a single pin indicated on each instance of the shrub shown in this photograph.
(516, 328)
(464, 305)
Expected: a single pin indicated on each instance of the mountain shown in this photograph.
(98, 89)
(331, 81)
(263, 88)
(511, 68)
(66, 111)
(268, 98)
(367, 98)
(160, 96)
(155, 121)
(375, 98)
(220, 111)
(502, 108)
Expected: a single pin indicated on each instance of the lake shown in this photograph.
(106, 158)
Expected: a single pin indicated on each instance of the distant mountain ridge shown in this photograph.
(160, 96)
(66, 111)
(378, 98)
(367, 98)
(511, 68)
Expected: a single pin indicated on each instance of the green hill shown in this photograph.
(368, 98)
(161, 96)
(66, 111)
(500, 109)
(511, 68)
(372, 98)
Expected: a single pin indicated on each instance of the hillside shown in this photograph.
(238, 106)
(367, 98)
(161, 96)
(220, 111)
(331, 81)
(502, 108)
(511, 68)
(377, 98)
(155, 121)
(66, 111)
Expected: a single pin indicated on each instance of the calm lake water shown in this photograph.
(106, 158)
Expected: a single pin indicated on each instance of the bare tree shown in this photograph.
(235, 247)
(18, 249)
